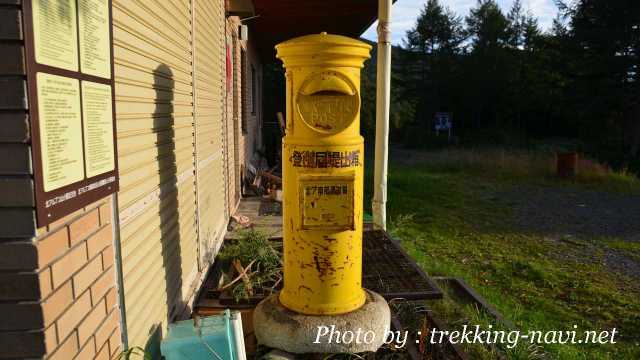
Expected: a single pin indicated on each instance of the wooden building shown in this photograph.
(188, 116)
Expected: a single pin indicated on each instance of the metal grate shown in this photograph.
(270, 208)
(390, 271)
(387, 269)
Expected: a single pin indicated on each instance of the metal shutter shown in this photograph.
(209, 68)
(231, 124)
(157, 200)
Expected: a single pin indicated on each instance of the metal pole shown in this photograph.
(115, 228)
(383, 79)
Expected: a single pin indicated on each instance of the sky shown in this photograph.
(405, 13)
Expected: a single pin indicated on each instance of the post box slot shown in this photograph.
(328, 93)
(327, 82)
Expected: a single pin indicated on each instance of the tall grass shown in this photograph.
(519, 165)
(491, 161)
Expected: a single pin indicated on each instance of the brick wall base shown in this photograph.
(65, 307)
(57, 283)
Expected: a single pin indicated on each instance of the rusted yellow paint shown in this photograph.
(323, 162)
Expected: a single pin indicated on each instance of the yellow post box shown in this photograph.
(323, 162)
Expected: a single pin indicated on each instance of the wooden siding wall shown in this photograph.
(175, 144)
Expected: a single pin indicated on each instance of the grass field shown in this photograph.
(447, 209)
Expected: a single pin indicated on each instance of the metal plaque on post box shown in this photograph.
(327, 203)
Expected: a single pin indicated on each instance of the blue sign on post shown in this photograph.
(443, 122)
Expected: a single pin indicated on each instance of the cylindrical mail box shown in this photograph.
(323, 162)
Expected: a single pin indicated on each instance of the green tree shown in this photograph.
(604, 39)
(497, 70)
(437, 30)
(403, 106)
(532, 33)
(516, 28)
(524, 37)
(430, 65)
(487, 69)
(487, 26)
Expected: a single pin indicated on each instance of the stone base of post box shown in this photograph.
(362, 330)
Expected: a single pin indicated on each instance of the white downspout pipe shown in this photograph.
(383, 87)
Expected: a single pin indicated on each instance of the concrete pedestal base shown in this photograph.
(361, 330)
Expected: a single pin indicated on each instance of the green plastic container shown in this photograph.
(209, 338)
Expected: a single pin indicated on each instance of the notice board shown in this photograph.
(69, 59)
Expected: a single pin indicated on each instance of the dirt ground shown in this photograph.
(585, 219)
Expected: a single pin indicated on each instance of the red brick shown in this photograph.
(67, 350)
(111, 299)
(15, 156)
(107, 258)
(71, 262)
(87, 352)
(55, 304)
(65, 219)
(13, 63)
(82, 227)
(17, 286)
(103, 354)
(20, 316)
(50, 339)
(105, 212)
(52, 246)
(107, 328)
(87, 276)
(41, 231)
(99, 241)
(45, 282)
(114, 342)
(21, 344)
(11, 24)
(102, 286)
(89, 325)
(115, 353)
(74, 315)
(24, 255)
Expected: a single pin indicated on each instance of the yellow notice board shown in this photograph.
(95, 44)
(98, 128)
(60, 130)
(55, 33)
(70, 85)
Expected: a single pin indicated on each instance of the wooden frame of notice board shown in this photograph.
(70, 89)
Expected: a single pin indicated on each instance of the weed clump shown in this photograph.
(255, 265)
(252, 246)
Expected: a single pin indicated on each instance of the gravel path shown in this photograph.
(576, 212)
(580, 218)
(571, 215)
